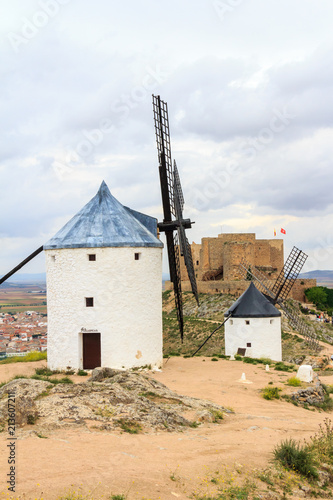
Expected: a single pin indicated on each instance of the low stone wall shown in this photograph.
(310, 395)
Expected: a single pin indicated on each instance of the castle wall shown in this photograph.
(269, 257)
(299, 287)
(237, 287)
(263, 253)
(127, 309)
(234, 253)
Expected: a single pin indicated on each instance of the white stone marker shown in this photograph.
(305, 373)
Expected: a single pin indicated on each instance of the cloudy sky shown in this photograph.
(249, 89)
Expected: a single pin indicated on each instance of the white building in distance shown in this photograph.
(104, 288)
(254, 328)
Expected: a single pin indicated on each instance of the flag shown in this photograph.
(274, 232)
(283, 231)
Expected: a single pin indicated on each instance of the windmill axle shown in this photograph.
(173, 225)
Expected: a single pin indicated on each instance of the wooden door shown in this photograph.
(91, 350)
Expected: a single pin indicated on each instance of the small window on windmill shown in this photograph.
(53, 258)
(271, 321)
(137, 256)
(231, 322)
(91, 256)
(248, 344)
(247, 321)
(89, 301)
(197, 262)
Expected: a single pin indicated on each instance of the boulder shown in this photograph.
(305, 373)
(101, 373)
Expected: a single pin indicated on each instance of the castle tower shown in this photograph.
(254, 327)
(104, 288)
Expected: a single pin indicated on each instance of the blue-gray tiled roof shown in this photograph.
(104, 222)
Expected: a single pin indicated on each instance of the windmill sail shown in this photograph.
(19, 266)
(173, 204)
(185, 247)
(280, 290)
(162, 132)
(289, 273)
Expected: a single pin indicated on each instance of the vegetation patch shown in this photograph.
(45, 371)
(31, 356)
(105, 412)
(55, 381)
(294, 381)
(217, 416)
(129, 426)
(271, 393)
(157, 398)
(31, 419)
(295, 456)
(283, 367)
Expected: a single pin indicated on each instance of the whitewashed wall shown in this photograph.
(127, 305)
(264, 334)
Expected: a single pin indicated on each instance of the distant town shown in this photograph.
(21, 333)
(23, 318)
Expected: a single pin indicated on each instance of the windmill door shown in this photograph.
(91, 350)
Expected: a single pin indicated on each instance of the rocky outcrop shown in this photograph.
(121, 400)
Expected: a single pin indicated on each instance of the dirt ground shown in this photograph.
(164, 465)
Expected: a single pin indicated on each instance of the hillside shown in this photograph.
(323, 277)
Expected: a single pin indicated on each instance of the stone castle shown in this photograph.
(217, 264)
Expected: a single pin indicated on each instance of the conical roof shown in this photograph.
(104, 222)
(252, 304)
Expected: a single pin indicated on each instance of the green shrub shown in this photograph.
(265, 361)
(282, 367)
(271, 393)
(326, 405)
(252, 361)
(294, 381)
(217, 416)
(129, 426)
(63, 380)
(294, 456)
(82, 373)
(31, 419)
(327, 388)
(321, 443)
(45, 371)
